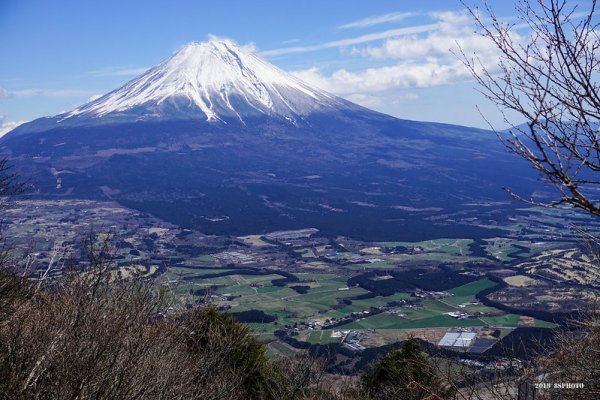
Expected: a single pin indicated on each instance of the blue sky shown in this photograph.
(392, 56)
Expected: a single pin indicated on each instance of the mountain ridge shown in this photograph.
(213, 81)
(312, 159)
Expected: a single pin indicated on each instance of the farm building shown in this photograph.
(457, 340)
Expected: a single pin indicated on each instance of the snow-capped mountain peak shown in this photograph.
(213, 80)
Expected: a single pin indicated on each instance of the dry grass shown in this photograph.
(90, 336)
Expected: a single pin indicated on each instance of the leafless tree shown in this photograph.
(546, 74)
(91, 336)
(547, 77)
(575, 360)
(87, 334)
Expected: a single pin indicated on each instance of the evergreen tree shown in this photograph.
(241, 354)
(406, 373)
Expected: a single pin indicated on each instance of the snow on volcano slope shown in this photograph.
(214, 80)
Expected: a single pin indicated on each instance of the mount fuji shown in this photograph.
(218, 139)
(214, 81)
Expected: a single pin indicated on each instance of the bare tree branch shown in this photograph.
(548, 79)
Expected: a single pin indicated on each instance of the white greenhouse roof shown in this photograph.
(457, 339)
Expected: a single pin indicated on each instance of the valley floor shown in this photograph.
(298, 290)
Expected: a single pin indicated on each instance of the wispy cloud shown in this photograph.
(418, 59)
(4, 93)
(365, 99)
(126, 70)
(371, 37)
(249, 46)
(454, 32)
(376, 20)
(43, 92)
(382, 79)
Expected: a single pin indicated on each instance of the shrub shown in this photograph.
(406, 373)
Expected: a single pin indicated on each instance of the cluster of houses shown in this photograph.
(312, 325)
(499, 364)
(423, 294)
(236, 257)
(460, 315)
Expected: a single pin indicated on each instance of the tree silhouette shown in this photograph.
(548, 79)
(406, 373)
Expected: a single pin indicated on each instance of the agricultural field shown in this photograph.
(569, 265)
(448, 246)
(311, 287)
(327, 304)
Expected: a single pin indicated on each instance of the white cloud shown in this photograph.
(371, 37)
(399, 76)
(455, 31)
(7, 126)
(314, 76)
(453, 18)
(434, 46)
(417, 59)
(365, 99)
(376, 20)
